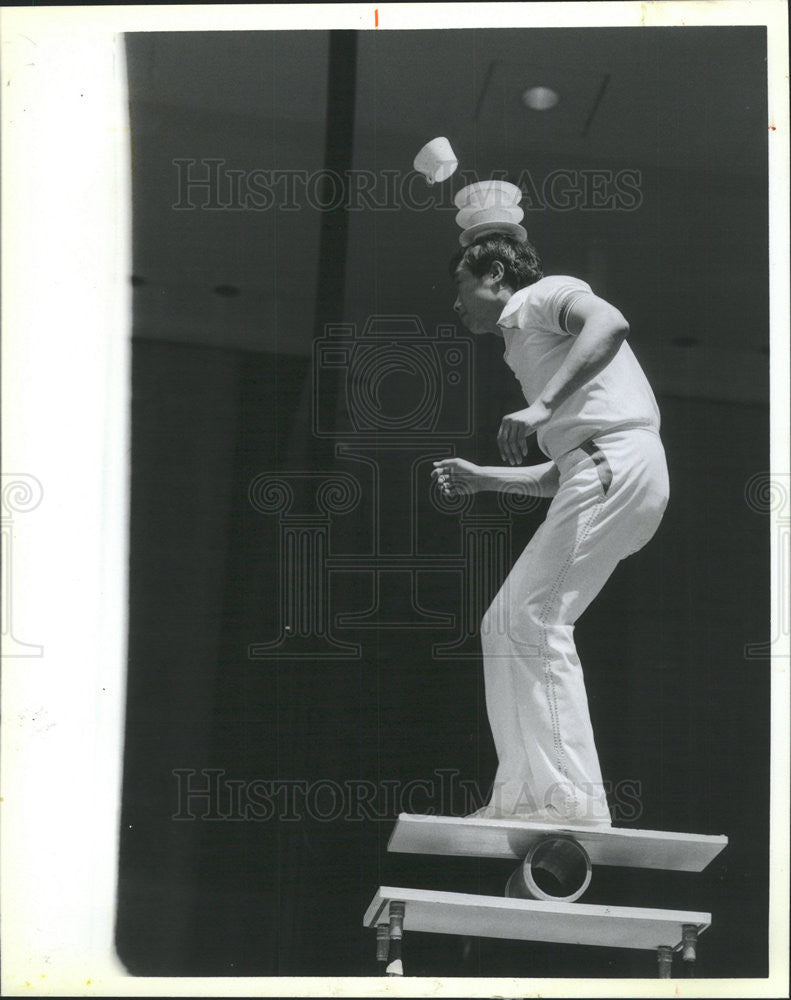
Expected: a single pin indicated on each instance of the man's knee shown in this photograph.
(516, 623)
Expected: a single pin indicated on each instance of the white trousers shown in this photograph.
(612, 495)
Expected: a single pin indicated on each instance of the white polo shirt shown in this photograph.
(533, 325)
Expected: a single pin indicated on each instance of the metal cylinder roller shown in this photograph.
(557, 869)
(395, 966)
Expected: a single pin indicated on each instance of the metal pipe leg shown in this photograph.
(689, 944)
(395, 966)
(664, 957)
(382, 945)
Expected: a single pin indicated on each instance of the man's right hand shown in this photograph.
(457, 477)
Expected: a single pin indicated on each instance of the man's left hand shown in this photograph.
(516, 428)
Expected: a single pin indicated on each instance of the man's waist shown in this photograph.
(586, 433)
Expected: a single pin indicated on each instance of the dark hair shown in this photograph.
(520, 260)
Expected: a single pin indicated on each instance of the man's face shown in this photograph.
(477, 304)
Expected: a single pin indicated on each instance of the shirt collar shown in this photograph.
(509, 317)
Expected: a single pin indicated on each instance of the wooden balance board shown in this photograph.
(512, 839)
(540, 917)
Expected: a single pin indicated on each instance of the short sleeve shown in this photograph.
(548, 302)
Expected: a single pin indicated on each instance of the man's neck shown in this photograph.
(503, 297)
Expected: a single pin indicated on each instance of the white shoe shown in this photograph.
(549, 819)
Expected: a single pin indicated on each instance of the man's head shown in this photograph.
(487, 274)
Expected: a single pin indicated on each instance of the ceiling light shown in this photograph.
(540, 98)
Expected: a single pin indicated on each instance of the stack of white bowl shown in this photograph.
(489, 207)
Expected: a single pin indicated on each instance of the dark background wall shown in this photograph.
(228, 304)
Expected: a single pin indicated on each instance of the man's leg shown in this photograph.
(609, 503)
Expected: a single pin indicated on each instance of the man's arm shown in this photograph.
(599, 330)
(456, 476)
(531, 480)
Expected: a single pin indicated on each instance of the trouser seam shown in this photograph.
(560, 755)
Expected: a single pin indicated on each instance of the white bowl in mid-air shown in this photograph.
(436, 160)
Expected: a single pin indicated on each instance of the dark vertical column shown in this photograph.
(308, 452)
(339, 145)
(317, 453)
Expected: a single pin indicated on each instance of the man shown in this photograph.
(596, 418)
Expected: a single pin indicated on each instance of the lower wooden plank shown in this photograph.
(437, 912)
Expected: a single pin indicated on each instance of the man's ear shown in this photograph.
(497, 271)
